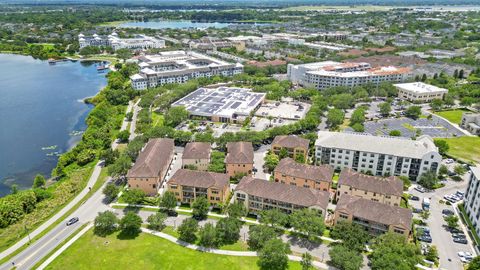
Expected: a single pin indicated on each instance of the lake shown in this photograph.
(40, 107)
(160, 24)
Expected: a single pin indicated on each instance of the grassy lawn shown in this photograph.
(157, 119)
(144, 252)
(454, 116)
(465, 148)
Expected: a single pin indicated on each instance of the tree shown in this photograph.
(335, 118)
(436, 104)
(428, 179)
(308, 222)
(452, 221)
(157, 221)
(273, 217)
(461, 74)
(353, 236)
(120, 166)
(424, 77)
(208, 235)
(39, 181)
(413, 112)
(283, 153)
(395, 133)
(344, 258)
(467, 101)
(474, 264)
(133, 196)
(168, 201)
(392, 251)
(443, 170)
(187, 230)
(236, 210)
(105, 223)
(123, 53)
(432, 254)
(200, 208)
(459, 169)
(175, 115)
(123, 136)
(442, 145)
(14, 189)
(274, 255)
(300, 158)
(109, 156)
(306, 261)
(271, 161)
(406, 181)
(228, 230)
(358, 116)
(111, 191)
(131, 223)
(258, 235)
(357, 127)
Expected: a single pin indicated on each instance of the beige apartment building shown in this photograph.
(377, 218)
(295, 146)
(259, 194)
(239, 159)
(388, 190)
(290, 172)
(152, 165)
(197, 154)
(187, 185)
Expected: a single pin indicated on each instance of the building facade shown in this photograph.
(239, 159)
(196, 154)
(388, 190)
(179, 67)
(258, 195)
(471, 122)
(294, 145)
(419, 91)
(139, 42)
(187, 185)
(472, 199)
(151, 166)
(379, 155)
(377, 218)
(290, 172)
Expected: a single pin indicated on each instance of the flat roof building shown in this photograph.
(329, 73)
(138, 42)
(472, 199)
(471, 122)
(179, 67)
(419, 91)
(379, 155)
(222, 104)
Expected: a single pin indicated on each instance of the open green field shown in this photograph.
(465, 148)
(454, 116)
(144, 252)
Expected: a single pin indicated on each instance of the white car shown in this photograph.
(465, 260)
(461, 254)
(449, 161)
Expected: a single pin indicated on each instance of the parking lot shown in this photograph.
(283, 110)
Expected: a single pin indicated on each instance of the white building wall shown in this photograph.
(472, 199)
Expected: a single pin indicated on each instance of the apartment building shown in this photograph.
(239, 159)
(379, 155)
(471, 122)
(294, 145)
(419, 91)
(138, 42)
(377, 218)
(196, 154)
(472, 198)
(187, 185)
(290, 172)
(152, 165)
(388, 190)
(326, 74)
(259, 194)
(179, 67)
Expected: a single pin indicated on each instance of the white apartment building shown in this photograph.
(329, 73)
(376, 154)
(419, 91)
(472, 198)
(139, 42)
(179, 67)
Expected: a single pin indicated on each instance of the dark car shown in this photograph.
(459, 235)
(460, 240)
(72, 221)
(417, 210)
(414, 198)
(447, 212)
(172, 214)
(425, 238)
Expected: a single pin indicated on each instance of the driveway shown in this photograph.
(258, 161)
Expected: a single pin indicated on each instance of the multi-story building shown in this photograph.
(209, 43)
(139, 42)
(187, 185)
(294, 145)
(151, 166)
(328, 74)
(239, 159)
(179, 67)
(472, 199)
(388, 190)
(379, 155)
(259, 194)
(222, 104)
(290, 172)
(419, 91)
(377, 218)
(197, 154)
(471, 122)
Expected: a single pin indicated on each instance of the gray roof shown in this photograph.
(377, 144)
(290, 167)
(375, 211)
(301, 196)
(239, 153)
(154, 159)
(197, 150)
(387, 186)
(200, 179)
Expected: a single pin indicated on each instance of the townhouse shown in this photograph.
(239, 158)
(290, 172)
(196, 154)
(294, 145)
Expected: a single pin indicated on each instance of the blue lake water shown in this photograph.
(176, 24)
(40, 106)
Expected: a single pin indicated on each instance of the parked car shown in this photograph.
(172, 213)
(460, 240)
(459, 235)
(417, 210)
(420, 189)
(447, 212)
(72, 221)
(414, 198)
(449, 161)
(425, 238)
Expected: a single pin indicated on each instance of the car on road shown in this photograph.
(460, 240)
(449, 161)
(414, 198)
(420, 189)
(72, 221)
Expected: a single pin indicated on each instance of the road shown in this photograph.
(258, 161)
